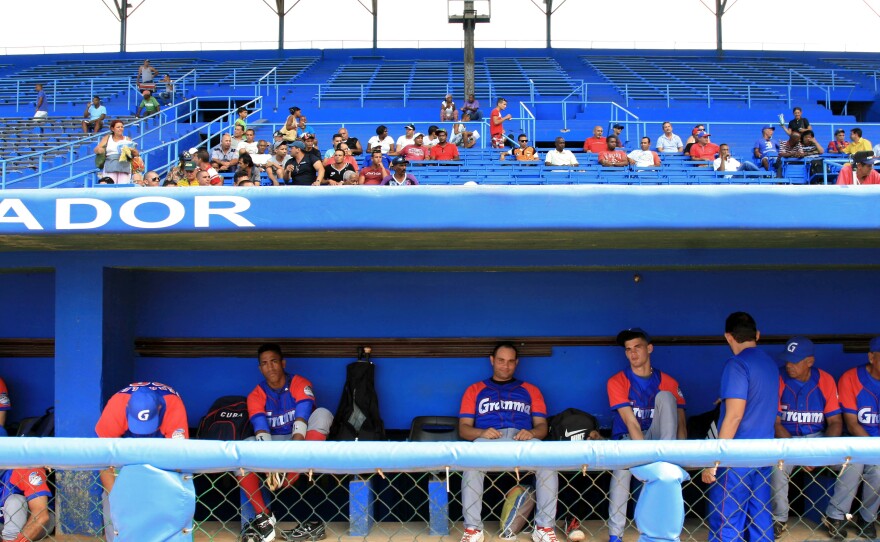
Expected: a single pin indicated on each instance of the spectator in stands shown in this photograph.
(431, 139)
(350, 178)
(277, 138)
(337, 139)
(471, 108)
(137, 178)
(94, 116)
(858, 391)
(169, 183)
(612, 157)
(839, 143)
(668, 141)
(27, 515)
(176, 172)
(767, 150)
(246, 164)
(400, 177)
(863, 162)
(703, 149)
(858, 144)
(496, 123)
(693, 138)
(444, 150)
(223, 156)
(790, 148)
(249, 144)
(502, 408)
(203, 178)
(203, 163)
(349, 159)
(335, 171)
(646, 404)
(302, 170)
(311, 143)
(242, 180)
(275, 165)
(352, 142)
(190, 170)
(375, 172)
(237, 136)
(597, 143)
(644, 156)
(139, 410)
(417, 150)
(106, 180)
(303, 126)
(798, 124)
(289, 130)
(381, 141)
(809, 408)
(41, 110)
(523, 153)
(463, 137)
(810, 145)
(408, 138)
(448, 111)
(148, 106)
(616, 130)
(242, 118)
(118, 151)
(168, 94)
(151, 178)
(726, 162)
(146, 73)
(560, 156)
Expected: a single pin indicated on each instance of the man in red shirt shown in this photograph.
(612, 157)
(496, 124)
(864, 174)
(417, 151)
(443, 150)
(375, 172)
(596, 143)
(703, 149)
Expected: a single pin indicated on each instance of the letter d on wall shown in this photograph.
(103, 213)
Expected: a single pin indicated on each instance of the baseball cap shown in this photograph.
(768, 127)
(410, 127)
(278, 133)
(144, 411)
(703, 134)
(797, 349)
(399, 160)
(189, 165)
(299, 145)
(839, 131)
(874, 345)
(632, 333)
(618, 126)
(440, 131)
(418, 135)
(864, 157)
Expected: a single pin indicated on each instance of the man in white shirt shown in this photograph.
(669, 142)
(406, 139)
(644, 156)
(248, 145)
(725, 162)
(560, 156)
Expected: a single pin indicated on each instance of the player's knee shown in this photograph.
(665, 397)
(320, 421)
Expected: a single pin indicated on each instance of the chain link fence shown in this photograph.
(428, 505)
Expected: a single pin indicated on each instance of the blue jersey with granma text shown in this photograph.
(804, 407)
(274, 411)
(502, 405)
(754, 377)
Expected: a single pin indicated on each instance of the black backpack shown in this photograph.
(38, 426)
(227, 419)
(357, 417)
(572, 424)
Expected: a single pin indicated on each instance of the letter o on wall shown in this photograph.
(176, 212)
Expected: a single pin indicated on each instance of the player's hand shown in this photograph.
(524, 434)
(264, 436)
(594, 435)
(274, 480)
(708, 475)
(491, 433)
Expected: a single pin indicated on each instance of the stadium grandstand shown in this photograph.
(234, 248)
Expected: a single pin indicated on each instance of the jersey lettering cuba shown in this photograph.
(860, 395)
(31, 483)
(274, 411)
(114, 422)
(502, 405)
(627, 389)
(804, 407)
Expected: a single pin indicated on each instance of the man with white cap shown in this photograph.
(407, 139)
(417, 151)
(808, 408)
(139, 410)
(861, 171)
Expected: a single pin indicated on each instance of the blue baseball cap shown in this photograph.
(797, 349)
(632, 333)
(874, 345)
(144, 411)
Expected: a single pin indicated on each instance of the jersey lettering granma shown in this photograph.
(626, 389)
(860, 395)
(804, 406)
(274, 411)
(502, 404)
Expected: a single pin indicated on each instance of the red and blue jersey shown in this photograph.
(627, 389)
(502, 405)
(31, 483)
(860, 395)
(274, 411)
(804, 407)
(114, 422)
(5, 403)
(752, 376)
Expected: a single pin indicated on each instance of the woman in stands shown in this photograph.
(119, 151)
(448, 111)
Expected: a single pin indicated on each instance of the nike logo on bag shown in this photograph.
(570, 433)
